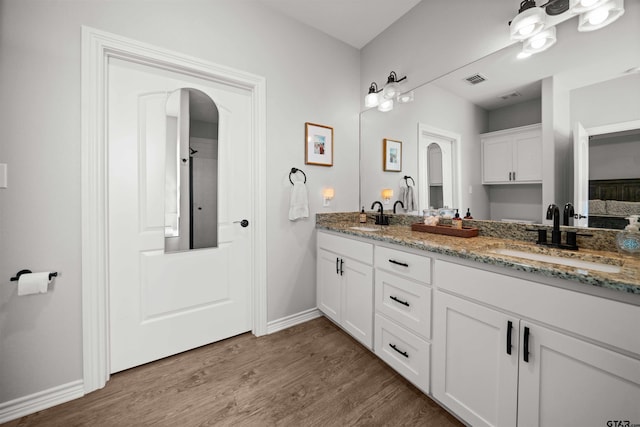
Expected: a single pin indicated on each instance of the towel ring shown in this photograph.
(294, 170)
(406, 177)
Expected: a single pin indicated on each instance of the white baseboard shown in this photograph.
(41, 400)
(294, 319)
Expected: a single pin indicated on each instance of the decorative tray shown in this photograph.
(445, 229)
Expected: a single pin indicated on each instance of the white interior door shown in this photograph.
(581, 175)
(165, 303)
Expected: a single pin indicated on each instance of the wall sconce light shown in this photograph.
(531, 27)
(327, 195)
(384, 98)
(387, 194)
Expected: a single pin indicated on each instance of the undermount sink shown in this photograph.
(596, 263)
(365, 228)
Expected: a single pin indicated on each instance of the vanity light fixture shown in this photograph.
(328, 194)
(601, 16)
(387, 194)
(384, 98)
(538, 34)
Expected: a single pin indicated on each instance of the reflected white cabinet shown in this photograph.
(345, 284)
(512, 156)
(496, 368)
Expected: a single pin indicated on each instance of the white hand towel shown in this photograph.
(299, 203)
(410, 201)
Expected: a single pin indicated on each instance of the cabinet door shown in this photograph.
(473, 374)
(570, 382)
(357, 300)
(527, 157)
(328, 286)
(497, 159)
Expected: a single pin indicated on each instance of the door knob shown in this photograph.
(243, 223)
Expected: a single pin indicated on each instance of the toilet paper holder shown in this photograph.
(21, 272)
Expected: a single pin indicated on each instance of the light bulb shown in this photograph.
(538, 42)
(371, 100)
(526, 30)
(386, 105)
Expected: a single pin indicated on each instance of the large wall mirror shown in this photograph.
(191, 171)
(585, 78)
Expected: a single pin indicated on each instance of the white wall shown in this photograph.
(40, 336)
(617, 158)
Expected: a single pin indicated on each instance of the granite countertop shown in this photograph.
(480, 249)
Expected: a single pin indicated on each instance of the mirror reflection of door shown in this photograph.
(191, 179)
(434, 153)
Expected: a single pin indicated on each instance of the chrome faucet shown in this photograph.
(553, 212)
(396, 204)
(381, 218)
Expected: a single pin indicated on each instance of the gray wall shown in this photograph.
(40, 335)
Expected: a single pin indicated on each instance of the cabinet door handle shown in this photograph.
(403, 264)
(509, 328)
(514, 175)
(341, 264)
(525, 347)
(337, 265)
(404, 353)
(399, 301)
(509, 176)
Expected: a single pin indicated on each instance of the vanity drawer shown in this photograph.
(404, 301)
(414, 266)
(360, 251)
(403, 351)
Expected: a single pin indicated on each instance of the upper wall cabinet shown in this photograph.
(512, 156)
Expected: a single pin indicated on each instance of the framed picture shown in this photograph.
(392, 155)
(318, 144)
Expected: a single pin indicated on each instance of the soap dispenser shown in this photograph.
(628, 240)
(363, 216)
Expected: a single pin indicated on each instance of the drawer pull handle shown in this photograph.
(404, 353)
(509, 328)
(525, 347)
(399, 301)
(341, 264)
(337, 265)
(403, 264)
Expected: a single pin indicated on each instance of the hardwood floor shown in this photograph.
(312, 374)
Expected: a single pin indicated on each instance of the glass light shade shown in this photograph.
(541, 41)
(581, 6)
(403, 98)
(371, 100)
(601, 16)
(387, 193)
(528, 23)
(391, 90)
(385, 105)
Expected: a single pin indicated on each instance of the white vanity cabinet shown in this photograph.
(403, 312)
(345, 284)
(512, 156)
(496, 364)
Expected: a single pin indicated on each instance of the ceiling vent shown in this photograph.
(475, 79)
(510, 95)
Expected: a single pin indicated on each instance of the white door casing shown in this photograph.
(97, 49)
(581, 174)
(166, 303)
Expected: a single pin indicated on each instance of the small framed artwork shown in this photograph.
(318, 144)
(392, 155)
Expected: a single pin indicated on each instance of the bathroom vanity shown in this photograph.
(496, 339)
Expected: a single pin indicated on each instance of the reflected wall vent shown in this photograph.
(475, 79)
(510, 95)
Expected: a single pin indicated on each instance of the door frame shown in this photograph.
(97, 48)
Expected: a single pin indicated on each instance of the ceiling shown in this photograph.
(355, 22)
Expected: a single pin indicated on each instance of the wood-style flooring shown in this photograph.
(312, 374)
